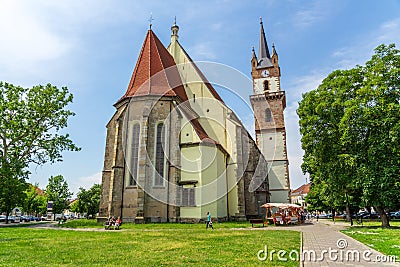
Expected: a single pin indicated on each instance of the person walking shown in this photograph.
(208, 221)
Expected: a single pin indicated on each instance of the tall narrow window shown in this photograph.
(266, 86)
(160, 157)
(188, 199)
(132, 156)
(268, 115)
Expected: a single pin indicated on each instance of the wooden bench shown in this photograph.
(256, 221)
(109, 227)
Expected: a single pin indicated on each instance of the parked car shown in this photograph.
(340, 216)
(2, 218)
(394, 214)
(25, 218)
(373, 215)
(29, 218)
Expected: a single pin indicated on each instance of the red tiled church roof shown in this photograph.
(155, 72)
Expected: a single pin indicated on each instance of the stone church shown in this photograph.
(175, 150)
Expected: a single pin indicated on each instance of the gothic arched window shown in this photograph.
(268, 115)
(132, 156)
(159, 156)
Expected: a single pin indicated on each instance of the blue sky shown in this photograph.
(92, 47)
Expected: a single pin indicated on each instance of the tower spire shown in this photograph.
(174, 30)
(263, 49)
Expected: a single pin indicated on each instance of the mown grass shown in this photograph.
(371, 234)
(143, 245)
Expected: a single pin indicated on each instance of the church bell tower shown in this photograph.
(269, 103)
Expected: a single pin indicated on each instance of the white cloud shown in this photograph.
(25, 40)
(390, 31)
(297, 86)
(359, 52)
(216, 26)
(301, 84)
(312, 13)
(203, 51)
(85, 182)
(295, 153)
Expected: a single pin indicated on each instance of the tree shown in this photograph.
(89, 200)
(326, 158)
(11, 193)
(371, 126)
(30, 122)
(34, 202)
(350, 128)
(58, 192)
(74, 207)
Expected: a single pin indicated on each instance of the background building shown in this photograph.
(298, 195)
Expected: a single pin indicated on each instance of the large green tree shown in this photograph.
(89, 200)
(30, 124)
(350, 128)
(371, 127)
(326, 158)
(57, 191)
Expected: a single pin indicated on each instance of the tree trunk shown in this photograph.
(348, 212)
(384, 217)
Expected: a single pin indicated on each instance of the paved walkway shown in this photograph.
(324, 245)
(340, 249)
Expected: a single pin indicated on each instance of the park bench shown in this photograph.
(108, 226)
(256, 221)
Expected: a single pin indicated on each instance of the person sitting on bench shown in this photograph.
(118, 223)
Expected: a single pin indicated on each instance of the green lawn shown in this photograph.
(142, 245)
(386, 241)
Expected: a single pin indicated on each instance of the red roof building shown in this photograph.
(298, 195)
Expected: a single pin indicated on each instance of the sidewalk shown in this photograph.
(340, 250)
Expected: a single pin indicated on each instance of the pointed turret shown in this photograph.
(263, 49)
(253, 53)
(155, 72)
(273, 50)
(274, 59)
(253, 59)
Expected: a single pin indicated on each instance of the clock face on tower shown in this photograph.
(265, 73)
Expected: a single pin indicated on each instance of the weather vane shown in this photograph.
(151, 19)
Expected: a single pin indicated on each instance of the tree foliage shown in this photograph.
(57, 191)
(350, 127)
(34, 203)
(89, 200)
(30, 124)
